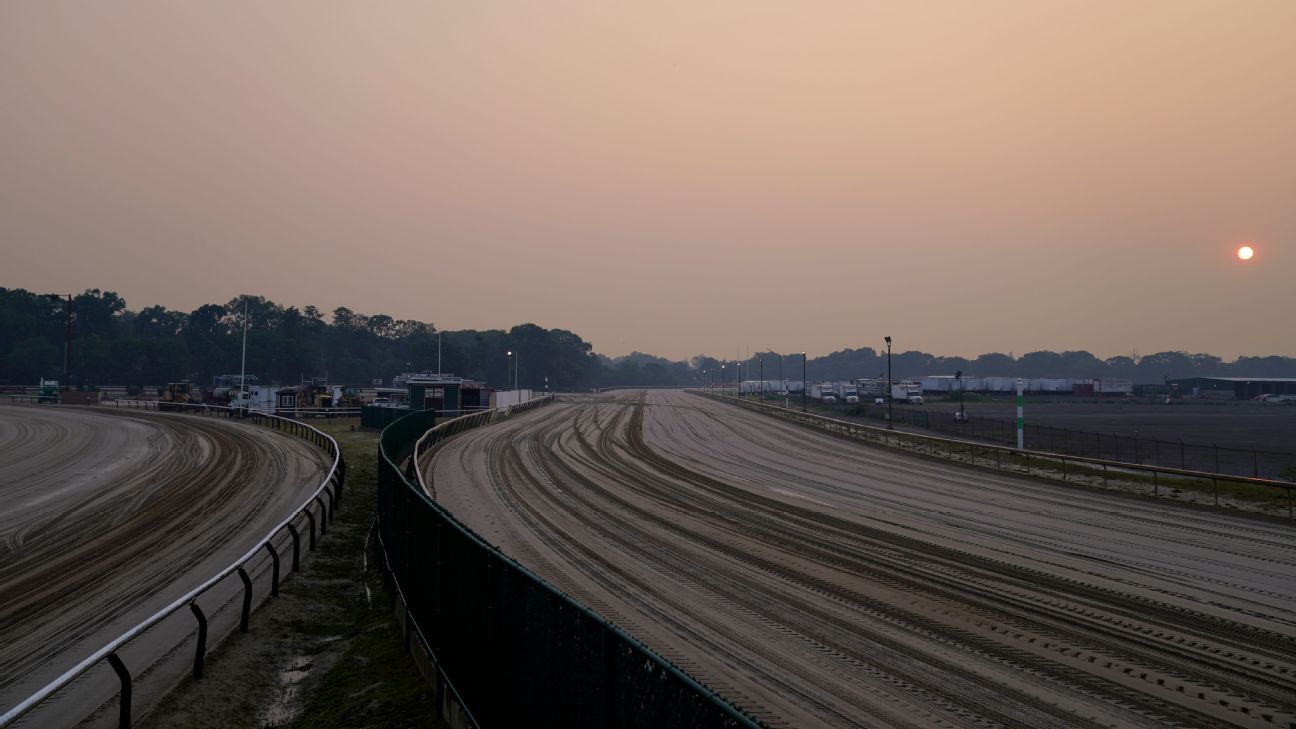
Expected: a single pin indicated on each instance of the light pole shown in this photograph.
(722, 378)
(508, 371)
(962, 416)
(762, 377)
(804, 383)
(782, 382)
(890, 393)
(67, 339)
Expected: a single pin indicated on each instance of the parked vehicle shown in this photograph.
(907, 392)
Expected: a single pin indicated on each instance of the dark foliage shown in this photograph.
(113, 345)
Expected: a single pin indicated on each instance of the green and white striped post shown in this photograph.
(1021, 433)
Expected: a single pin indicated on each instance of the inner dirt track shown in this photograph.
(109, 515)
(816, 581)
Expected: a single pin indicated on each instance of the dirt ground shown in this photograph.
(820, 582)
(1227, 423)
(327, 652)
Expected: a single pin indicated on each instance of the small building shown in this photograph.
(1237, 388)
(287, 398)
(444, 393)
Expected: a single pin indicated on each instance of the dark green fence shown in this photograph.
(506, 648)
(377, 416)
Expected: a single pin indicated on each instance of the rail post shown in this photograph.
(310, 516)
(324, 516)
(200, 648)
(1105, 484)
(247, 600)
(274, 569)
(296, 546)
(124, 705)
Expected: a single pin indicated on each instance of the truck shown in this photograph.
(907, 391)
(49, 391)
(846, 392)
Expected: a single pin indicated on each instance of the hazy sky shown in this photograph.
(672, 177)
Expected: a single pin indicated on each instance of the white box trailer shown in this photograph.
(870, 387)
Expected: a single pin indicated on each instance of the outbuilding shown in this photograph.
(1238, 388)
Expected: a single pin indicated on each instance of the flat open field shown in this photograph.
(1228, 424)
(1242, 438)
(816, 581)
(109, 515)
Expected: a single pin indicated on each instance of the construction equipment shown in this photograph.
(176, 394)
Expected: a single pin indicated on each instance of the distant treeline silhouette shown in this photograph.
(115, 345)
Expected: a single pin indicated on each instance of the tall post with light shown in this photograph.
(890, 392)
(962, 415)
(1021, 428)
(67, 339)
(805, 384)
(722, 378)
(509, 371)
(762, 377)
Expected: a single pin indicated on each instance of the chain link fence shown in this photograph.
(1104, 446)
(503, 647)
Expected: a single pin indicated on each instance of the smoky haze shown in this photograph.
(671, 177)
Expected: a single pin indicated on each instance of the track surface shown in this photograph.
(820, 582)
(109, 515)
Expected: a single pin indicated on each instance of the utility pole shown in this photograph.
(67, 338)
(890, 393)
(438, 353)
(243, 367)
(1021, 431)
(805, 384)
(762, 377)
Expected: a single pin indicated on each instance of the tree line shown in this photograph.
(115, 345)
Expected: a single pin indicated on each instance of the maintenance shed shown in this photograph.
(1239, 388)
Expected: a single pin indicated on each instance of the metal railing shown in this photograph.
(160, 405)
(505, 647)
(1144, 448)
(324, 500)
(1033, 462)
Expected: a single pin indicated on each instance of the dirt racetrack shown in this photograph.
(820, 582)
(109, 515)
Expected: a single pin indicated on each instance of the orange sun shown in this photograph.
(1245, 253)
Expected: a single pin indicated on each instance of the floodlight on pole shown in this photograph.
(804, 383)
(890, 392)
(67, 339)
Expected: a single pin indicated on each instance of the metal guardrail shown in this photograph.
(518, 647)
(326, 497)
(187, 407)
(953, 446)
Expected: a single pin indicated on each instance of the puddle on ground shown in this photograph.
(285, 706)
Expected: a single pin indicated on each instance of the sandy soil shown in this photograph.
(819, 582)
(109, 515)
